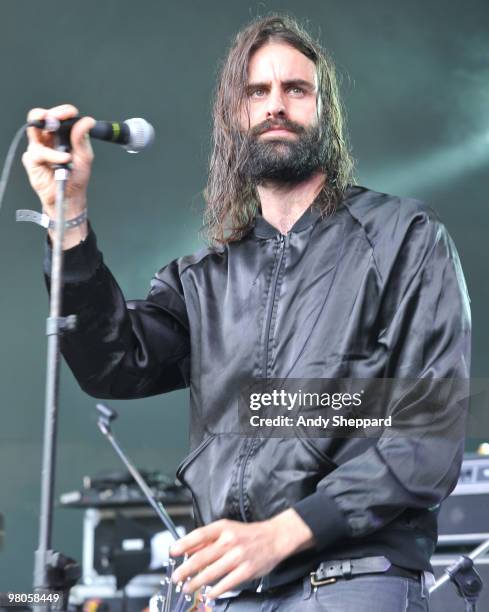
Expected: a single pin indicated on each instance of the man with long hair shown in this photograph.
(306, 277)
(242, 163)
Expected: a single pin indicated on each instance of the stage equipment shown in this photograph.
(125, 552)
(463, 517)
(170, 597)
(447, 598)
(463, 522)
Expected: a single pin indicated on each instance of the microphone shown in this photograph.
(133, 134)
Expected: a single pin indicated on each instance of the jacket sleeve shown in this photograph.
(425, 334)
(122, 350)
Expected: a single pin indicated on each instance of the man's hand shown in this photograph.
(237, 552)
(40, 156)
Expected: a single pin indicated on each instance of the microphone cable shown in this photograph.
(7, 165)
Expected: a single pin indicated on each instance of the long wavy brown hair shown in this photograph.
(232, 200)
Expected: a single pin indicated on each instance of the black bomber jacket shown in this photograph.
(373, 290)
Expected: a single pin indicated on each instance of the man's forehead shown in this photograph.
(277, 60)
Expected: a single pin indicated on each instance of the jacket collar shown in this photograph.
(263, 229)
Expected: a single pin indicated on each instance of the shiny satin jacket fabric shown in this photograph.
(374, 290)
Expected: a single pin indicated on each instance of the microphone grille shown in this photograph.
(141, 135)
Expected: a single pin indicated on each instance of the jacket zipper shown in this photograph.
(283, 240)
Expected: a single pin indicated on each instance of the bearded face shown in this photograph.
(280, 117)
(288, 153)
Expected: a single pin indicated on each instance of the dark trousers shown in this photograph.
(359, 594)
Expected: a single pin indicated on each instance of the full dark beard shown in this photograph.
(283, 160)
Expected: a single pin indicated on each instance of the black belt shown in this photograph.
(330, 571)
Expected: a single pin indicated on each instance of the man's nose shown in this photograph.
(276, 106)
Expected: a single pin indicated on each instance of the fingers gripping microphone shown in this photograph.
(133, 134)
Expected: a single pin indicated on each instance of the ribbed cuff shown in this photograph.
(323, 516)
(79, 263)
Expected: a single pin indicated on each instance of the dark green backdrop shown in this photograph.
(416, 86)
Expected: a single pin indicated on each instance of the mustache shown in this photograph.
(275, 123)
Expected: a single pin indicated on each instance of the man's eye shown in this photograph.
(296, 90)
(257, 93)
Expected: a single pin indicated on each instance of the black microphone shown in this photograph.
(133, 134)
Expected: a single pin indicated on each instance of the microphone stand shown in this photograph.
(53, 571)
(159, 602)
(106, 415)
(465, 577)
